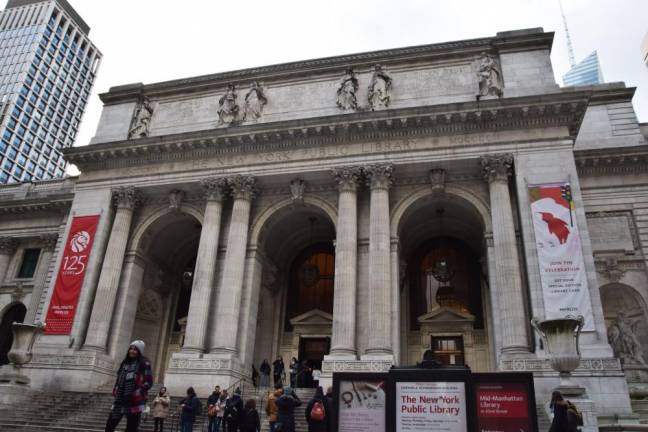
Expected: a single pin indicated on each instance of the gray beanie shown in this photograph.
(139, 344)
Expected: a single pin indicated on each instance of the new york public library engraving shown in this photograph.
(235, 221)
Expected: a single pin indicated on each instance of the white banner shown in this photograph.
(560, 255)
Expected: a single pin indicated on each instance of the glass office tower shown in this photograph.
(587, 72)
(47, 69)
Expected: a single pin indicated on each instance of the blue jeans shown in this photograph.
(214, 423)
(186, 425)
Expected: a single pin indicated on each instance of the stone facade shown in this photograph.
(204, 217)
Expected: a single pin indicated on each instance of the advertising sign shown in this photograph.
(431, 406)
(505, 402)
(69, 278)
(560, 255)
(361, 402)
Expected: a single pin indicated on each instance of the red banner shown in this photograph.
(69, 279)
(503, 407)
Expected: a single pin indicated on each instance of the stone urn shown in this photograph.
(24, 336)
(561, 342)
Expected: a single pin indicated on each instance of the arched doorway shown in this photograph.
(444, 287)
(296, 301)
(14, 313)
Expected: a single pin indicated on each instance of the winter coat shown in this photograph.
(319, 426)
(563, 421)
(265, 368)
(286, 406)
(132, 384)
(250, 422)
(161, 406)
(271, 405)
(234, 405)
(213, 399)
(191, 407)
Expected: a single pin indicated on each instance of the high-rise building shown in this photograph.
(47, 69)
(644, 50)
(587, 72)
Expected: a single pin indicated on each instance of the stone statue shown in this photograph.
(227, 107)
(142, 123)
(490, 76)
(379, 88)
(346, 93)
(255, 100)
(623, 339)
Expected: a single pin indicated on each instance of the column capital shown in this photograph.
(243, 187)
(347, 178)
(379, 176)
(8, 245)
(126, 197)
(49, 241)
(497, 167)
(214, 188)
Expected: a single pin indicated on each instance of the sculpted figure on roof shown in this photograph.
(142, 120)
(490, 76)
(379, 88)
(255, 100)
(346, 93)
(227, 107)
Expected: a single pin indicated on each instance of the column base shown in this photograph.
(203, 372)
(515, 352)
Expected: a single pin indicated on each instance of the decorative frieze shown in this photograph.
(607, 365)
(332, 366)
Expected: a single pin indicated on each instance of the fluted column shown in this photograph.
(231, 287)
(203, 285)
(8, 247)
(48, 242)
(379, 181)
(125, 199)
(346, 262)
(496, 170)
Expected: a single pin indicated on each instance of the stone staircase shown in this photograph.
(87, 412)
(640, 407)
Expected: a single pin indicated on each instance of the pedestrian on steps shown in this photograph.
(190, 409)
(265, 373)
(234, 411)
(160, 409)
(134, 379)
(286, 405)
(213, 409)
(318, 413)
(251, 422)
(271, 407)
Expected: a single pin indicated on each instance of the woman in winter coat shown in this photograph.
(563, 419)
(160, 409)
(271, 407)
(250, 421)
(286, 405)
(265, 373)
(134, 379)
(190, 407)
(317, 425)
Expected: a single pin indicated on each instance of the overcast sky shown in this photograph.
(157, 40)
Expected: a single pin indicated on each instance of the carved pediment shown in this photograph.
(312, 317)
(446, 315)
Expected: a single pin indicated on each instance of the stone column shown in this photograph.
(395, 301)
(126, 199)
(231, 287)
(203, 285)
(346, 262)
(496, 170)
(379, 181)
(47, 251)
(8, 247)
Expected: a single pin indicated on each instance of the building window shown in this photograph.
(29, 262)
(448, 350)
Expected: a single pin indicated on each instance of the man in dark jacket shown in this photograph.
(213, 401)
(286, 405)
(134, 379)
(233, 411)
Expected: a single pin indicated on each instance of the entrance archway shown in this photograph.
(14, 313)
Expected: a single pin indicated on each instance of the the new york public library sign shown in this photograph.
(448, 399)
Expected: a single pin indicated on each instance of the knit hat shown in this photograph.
(288, 391)
(237, 391)
(139, 344)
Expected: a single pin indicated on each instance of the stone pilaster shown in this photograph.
(125, 200)
(48, 244)
(395, 300)
(231, 287)
(496, 170)
(8, 247)
(346, 263)
(379, 180)
(203, 285)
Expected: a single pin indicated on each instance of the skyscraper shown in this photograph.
(587, 72)
(47, 69)
(644, 49)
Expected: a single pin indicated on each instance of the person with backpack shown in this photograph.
(564, 419)
(213, 409)
(134, 379)
(286, 405)
(318, 413)
(233, 411)
(250, 421)
(190, 409)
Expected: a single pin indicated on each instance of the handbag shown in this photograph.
(213, 410)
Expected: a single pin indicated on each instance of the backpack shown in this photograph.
(231, 411)
(317, 412)
(197, 407)
(571, 409)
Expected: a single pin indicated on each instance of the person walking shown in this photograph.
(213, 409)
(134, 379)
(271, 407)
(160, 409)
(264, 369)
(250, 421)
(190, 409)
(255, 377)
(318, 413)
(234, 411)
(286, 405)
(294, 372)
(278, 371)
(564, 419)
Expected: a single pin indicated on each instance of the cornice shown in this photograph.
(617, 160)
(59, 203)
(507, 41)
(549, 110)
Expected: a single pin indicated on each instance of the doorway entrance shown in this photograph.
(15, 313)
(311, 354)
